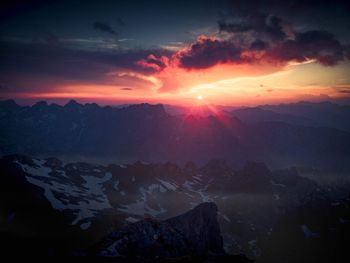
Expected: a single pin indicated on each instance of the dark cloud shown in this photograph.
(104, 27)
(126, 89)
(344, 91)
(269, 26)
(276, 37)
(319, 45)
(42, 62)
(259, 45)
(233, 28)
(208, 52)
(342, 88)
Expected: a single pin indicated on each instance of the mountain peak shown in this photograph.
(200, 225)
(193, 233)
(72, 103)
(206, 209)
(42, 103)
(10, 103)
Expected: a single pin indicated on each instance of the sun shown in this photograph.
(199, 97)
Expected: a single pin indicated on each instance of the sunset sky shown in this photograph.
(177, 52)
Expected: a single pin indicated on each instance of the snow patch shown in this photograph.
(85, 226)
(40, 171)
(308, 233)
(277, 184)
(225, 217)
(115, 185)
(111, 251)
(63, 194)
(170, 186)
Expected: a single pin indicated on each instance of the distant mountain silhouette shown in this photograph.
(147, 132)
(257, 114)
(324, 113)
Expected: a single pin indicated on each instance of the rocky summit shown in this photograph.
(192, 235)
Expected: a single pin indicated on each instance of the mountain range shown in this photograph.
(303, 134)
(63, 208)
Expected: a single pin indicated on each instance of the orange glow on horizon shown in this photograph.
(233, 85)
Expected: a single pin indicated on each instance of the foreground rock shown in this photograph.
(192, 236)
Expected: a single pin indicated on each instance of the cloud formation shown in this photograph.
(270, 26)
(153, 62)
(104, 27)
(207, 52)
(318, 45)
(50, 65)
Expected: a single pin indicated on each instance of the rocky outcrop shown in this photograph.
(200, 228)
(28, 222)
(194, 234)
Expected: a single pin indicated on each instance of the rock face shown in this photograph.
(27, 219)
(195, 233)
(201, 228)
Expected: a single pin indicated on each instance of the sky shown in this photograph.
(222, 52)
